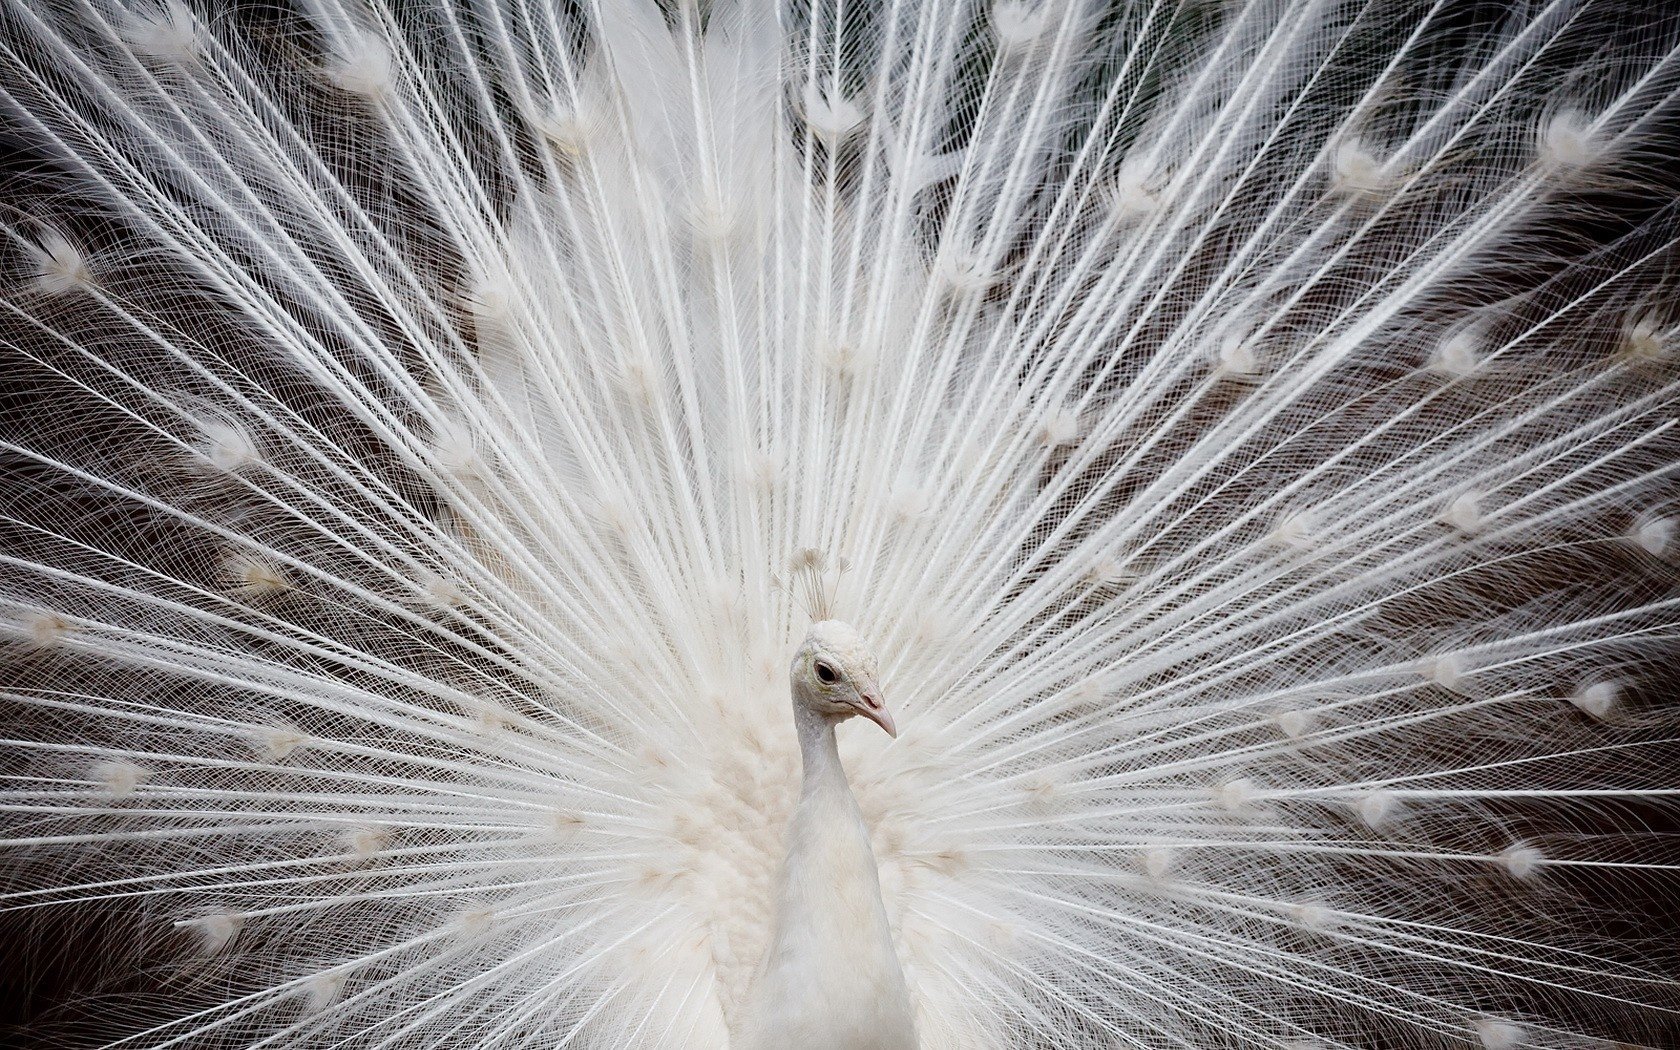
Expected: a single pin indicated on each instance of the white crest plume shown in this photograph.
(811, 583)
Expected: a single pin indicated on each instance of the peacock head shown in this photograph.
(835, 676)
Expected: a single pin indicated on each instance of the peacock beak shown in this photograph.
(869, 705)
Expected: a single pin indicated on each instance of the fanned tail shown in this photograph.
(1246, 431)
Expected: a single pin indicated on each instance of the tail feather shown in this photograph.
(1246, 432)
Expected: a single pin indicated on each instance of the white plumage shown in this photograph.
(830, 976)
(1244, 432)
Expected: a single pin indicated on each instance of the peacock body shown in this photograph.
(1244, 433)
(830, 976)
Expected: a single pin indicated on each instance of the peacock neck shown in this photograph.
(830, 978)
(820, 754)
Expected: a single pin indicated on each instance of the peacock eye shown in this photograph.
(826, 673)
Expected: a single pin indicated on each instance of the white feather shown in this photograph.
(1249, 429)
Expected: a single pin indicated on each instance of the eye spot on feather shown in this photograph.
(1313, 917)
(1465, 513)
(1059, 427)
(1295, 723)
(119, 778)
(1002, 934)
(1087, 698)
(322, 991)
(1357, 171)
(1645, 340)
(225, 445)
(1597, 699)
(847, 360)
(1498, 1035)
(1521, 861)
(611, 512)
(1653, 535)
(909, 501)
(254, 578)
(570, 131)
(1019, 25)
(1237, 355)
(554, 831)
(1132, 194)
(1297, 531)
(638, 378)
(362, 64)
(762, 471)
(965, 272)
(365, 842)
(494, 299)
(1376, 809)
(474, 921)
(436, 592)
(168, 33)
(60, 266)
(216, 930)
(454, 448)
(1447, 670)
(1457, 355)
(489, 719)
(39, 629)
(949, 862)
(277, 742)
(1567, 140)
(1159, 862)
(1236, 797)
(1040, 794)
(831, 117)
(935, 630)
